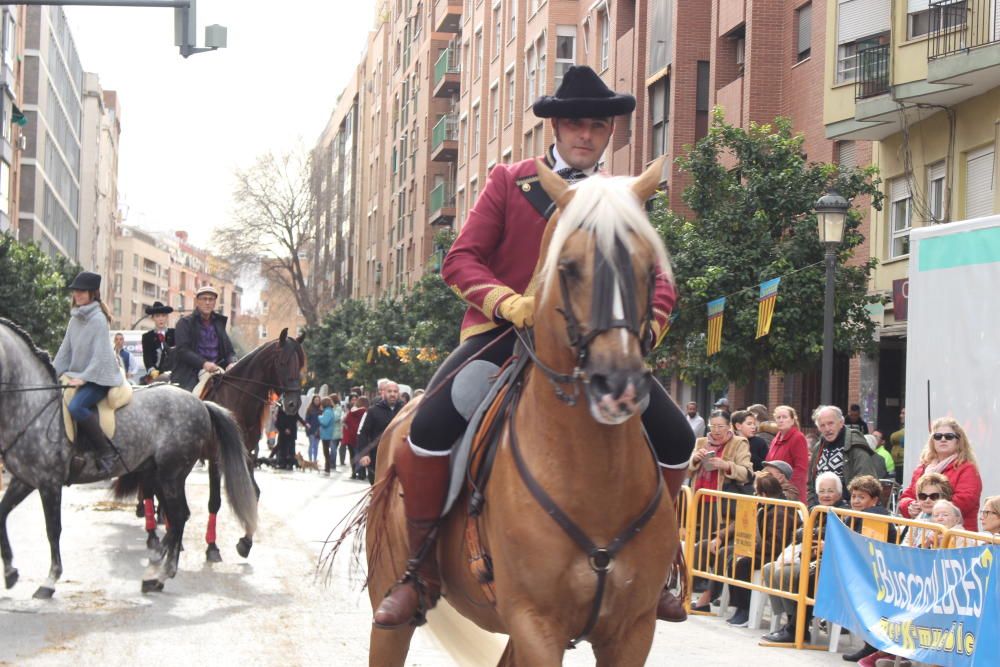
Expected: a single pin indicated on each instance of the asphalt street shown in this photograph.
(274, 608)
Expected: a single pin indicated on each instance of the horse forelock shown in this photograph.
(39, 353)
(608, 209)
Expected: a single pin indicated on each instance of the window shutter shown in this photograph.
(862, 18)
(805, 28)
(847, 154)
(899, 188)
(936, 171)
(979, 184)
(914, 6)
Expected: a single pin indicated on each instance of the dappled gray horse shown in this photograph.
(162, 430)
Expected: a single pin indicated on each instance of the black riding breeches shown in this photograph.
(438, 425)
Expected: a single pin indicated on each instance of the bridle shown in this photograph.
(613, 284)
(234, 383)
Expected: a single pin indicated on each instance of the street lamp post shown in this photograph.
(831, 213)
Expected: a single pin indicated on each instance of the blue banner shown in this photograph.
(939, 606)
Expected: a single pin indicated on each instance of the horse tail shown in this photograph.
(127, 485)
(369, 513)
(235, 471)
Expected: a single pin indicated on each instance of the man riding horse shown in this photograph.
(491, 265)
(202, 341)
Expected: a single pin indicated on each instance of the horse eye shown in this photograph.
(569, 268)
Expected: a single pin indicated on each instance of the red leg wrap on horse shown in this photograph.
(147, 505)
(210, 533)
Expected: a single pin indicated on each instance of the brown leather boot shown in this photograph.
(425, 488)
(669, 608)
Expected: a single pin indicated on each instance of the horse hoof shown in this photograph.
(212, 554)
(10, 578)
(153, 543)
(243, 547)
(152, 586)
(44, 593)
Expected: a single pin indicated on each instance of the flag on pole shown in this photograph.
(715, 310)
(670, 321)
(765, 306)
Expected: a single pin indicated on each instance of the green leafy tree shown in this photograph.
(427, 317)
(753, 194)
(33, 290)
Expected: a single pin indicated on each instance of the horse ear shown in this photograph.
(646, 184)
(301, 337)
(283, 336)
(555, 187)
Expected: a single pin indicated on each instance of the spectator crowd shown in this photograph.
(837, 461)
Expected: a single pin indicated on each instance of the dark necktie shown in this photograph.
(571, 174)
(160, 337)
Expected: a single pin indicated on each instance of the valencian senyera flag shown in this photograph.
(765, 306)
(715, 310)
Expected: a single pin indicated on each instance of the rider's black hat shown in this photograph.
(158, 309)
(90, 282)
(583, 94)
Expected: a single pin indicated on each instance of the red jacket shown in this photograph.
(967, 489)
(495, 254)
(793, 449)
(352, 420)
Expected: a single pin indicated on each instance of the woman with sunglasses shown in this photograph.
(931, 488)
(948, 452)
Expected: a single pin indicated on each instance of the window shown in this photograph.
(803, 37)
(847, 154)
(565, 51)
(497, 30)
(847, 56)
(479, 53)
(701, 100)
(4, 188)
(935, 193)
(900, 211)
(511, 90)
(494, 111)
(512, 21)
(979, 183)
(922, 20)
(463, 135)
(476, 118)
(605, 39)
(539, 149)
(540, 50)
(529, 78)
(659, 111)
(9, 30)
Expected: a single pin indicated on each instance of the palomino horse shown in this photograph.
(245, 389)
(568, 474)
(162, 430)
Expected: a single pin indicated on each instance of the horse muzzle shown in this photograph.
(290, 403)
(618, 395)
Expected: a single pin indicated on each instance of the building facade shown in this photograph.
(99, 215)
(921, 80)
(12, 33)
(49, 196)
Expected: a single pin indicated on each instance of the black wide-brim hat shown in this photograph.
(158, 309)
(87, 281)
(583, 94)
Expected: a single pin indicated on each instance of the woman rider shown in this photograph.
(88, 360)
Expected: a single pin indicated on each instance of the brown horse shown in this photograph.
(589, 459)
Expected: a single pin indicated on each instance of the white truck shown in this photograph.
(953, 339)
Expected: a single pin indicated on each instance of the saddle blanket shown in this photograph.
(118, 397)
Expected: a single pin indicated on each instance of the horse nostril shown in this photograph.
(600, 384)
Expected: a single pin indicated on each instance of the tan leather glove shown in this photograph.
(518, 310)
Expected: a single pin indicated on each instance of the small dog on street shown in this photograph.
(304, 464)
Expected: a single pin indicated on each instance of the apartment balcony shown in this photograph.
(441, 207)
(444, 139)
(873, 72)
(447, 73)
(447, 15)
(963, 47)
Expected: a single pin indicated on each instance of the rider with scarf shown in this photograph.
(491, 265)
(87, 358)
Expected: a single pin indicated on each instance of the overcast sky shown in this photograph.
(187, 124)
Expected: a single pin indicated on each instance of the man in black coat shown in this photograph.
(202, 342)
(374, 423)
(157, 341)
